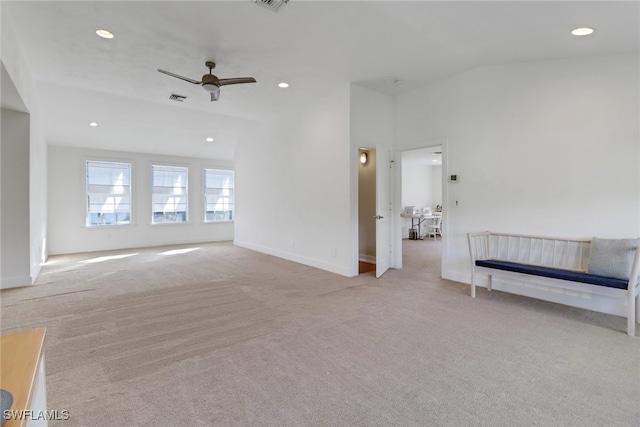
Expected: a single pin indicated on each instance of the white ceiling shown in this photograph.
(430, 156)
(313, 45)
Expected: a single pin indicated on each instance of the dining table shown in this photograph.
(418, 218)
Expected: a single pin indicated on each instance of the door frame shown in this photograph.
(396, 195)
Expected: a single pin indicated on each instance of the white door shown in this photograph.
(383, 210)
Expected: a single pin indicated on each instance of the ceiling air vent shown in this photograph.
(179, 98)
(271, 4)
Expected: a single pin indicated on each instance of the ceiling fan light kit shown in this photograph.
(210, 87)
(210, 82)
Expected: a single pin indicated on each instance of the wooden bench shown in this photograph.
(555, 266)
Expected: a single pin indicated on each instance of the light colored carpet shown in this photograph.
(223, 336)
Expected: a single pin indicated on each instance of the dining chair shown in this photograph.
(435, 228)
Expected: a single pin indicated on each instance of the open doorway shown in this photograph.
(366, 210)
(422, 202)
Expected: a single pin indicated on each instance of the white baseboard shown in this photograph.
(574, 298)
(457, 276)
(16, 282)
(323, 265)
(169, 242)
(35, 271)
(367, 258)
(193, 241)
(600, 303)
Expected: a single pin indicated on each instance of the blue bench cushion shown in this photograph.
(554, 273)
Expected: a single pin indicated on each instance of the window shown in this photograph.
(218, 195)
(108, 193)
(169, 194)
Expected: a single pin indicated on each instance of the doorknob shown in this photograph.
(378, 217)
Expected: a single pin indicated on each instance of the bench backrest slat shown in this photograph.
(567, 254)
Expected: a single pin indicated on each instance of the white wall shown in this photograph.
(371, 120)
(544, 148)
(14, 170)
(14, 66)
(67, 204)
(292, 186)
(297, 178)
(436, 186)
(421, 186)
(416, 188)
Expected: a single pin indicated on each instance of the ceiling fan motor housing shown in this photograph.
(210, 83)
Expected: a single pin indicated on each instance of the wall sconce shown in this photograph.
(363, 157)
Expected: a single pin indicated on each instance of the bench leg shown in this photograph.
(473, 285)
(489, 283)
(631, 314)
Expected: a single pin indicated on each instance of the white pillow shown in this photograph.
(612, 257)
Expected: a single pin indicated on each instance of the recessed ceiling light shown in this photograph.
(434, 160)
(582, 31)
(93, 124)
(209, 139)
(104, 34)
(283, 84)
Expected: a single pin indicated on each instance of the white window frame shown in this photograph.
(226, 202)
(170, 213)
(113, 206)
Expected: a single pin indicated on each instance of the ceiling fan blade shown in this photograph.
(215, 95)
(237, 80)
(180, 77)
